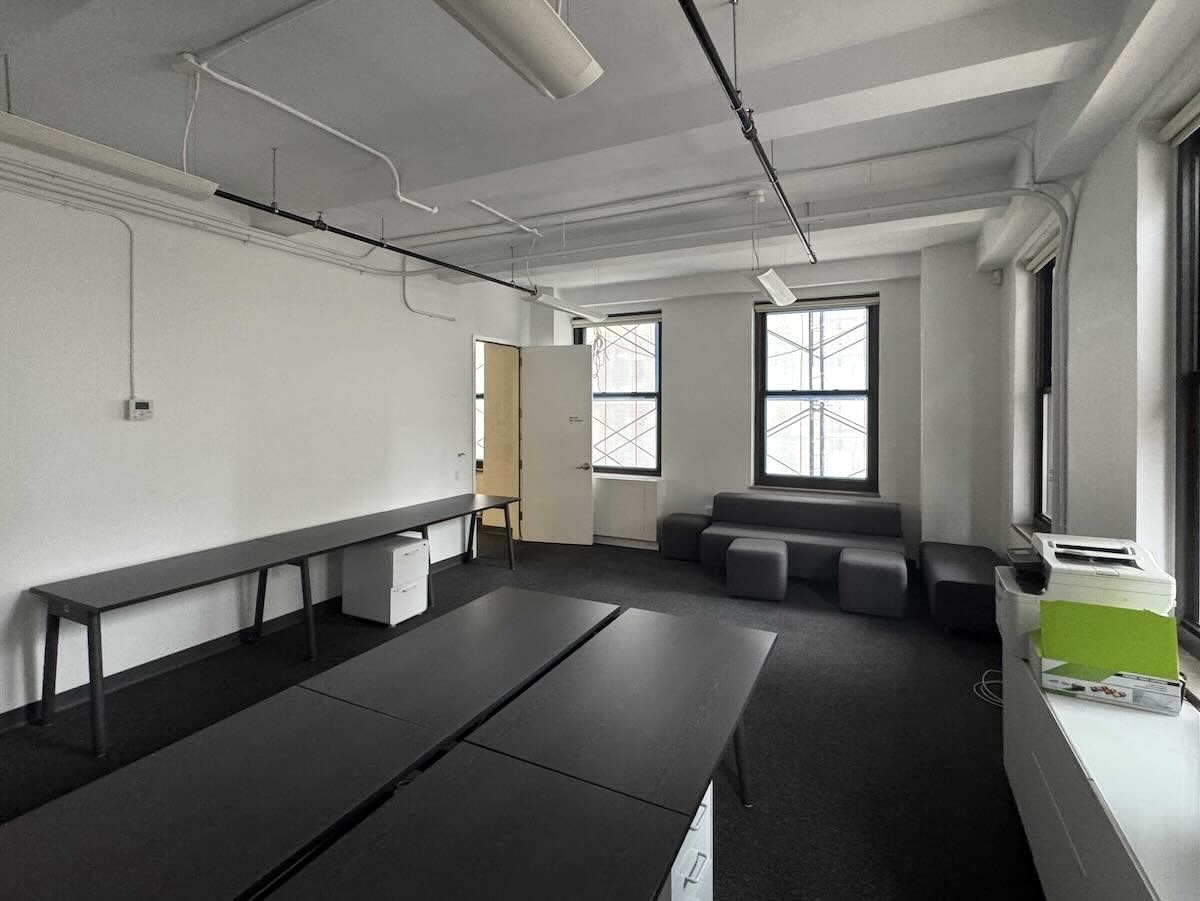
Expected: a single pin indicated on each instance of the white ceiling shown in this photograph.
(830, 80)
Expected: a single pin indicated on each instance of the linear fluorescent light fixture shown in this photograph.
(61, 145)
(547, 300)
(773, 286)
(531, 38)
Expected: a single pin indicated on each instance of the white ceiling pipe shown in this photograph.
(209, 54)
(548, 300)
(532, 40)
(74, 149)
(59, 185)
(740, 186)
(511, 221)
(191, 60)
(841, 215)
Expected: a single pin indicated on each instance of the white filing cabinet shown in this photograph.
(691, 876)
(386, 580)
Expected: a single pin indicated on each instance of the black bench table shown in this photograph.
(478, 824)
(451, 673)
(646, 708)
(85, 598)
(217, 813)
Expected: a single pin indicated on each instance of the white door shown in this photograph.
(556, 444)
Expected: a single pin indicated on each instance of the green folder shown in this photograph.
(1101, 639)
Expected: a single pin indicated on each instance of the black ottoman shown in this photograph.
(679, 535)
(960, 585)
(872, 581)
(756, 568)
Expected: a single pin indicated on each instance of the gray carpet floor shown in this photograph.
(877, 773)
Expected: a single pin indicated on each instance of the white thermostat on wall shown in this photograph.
(137, 408)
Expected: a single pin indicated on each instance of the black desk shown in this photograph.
(645, 708)
(452, 672)
(481, 825)
(85, 598)
(216, 813)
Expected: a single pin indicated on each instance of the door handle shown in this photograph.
(584, 466)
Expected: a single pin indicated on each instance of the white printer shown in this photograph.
(1114, 572)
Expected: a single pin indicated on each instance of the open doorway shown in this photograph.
(497, 426)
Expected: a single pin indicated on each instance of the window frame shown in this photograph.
(656, 396)
(1043, 387)
(869, 485)
(1187, 556)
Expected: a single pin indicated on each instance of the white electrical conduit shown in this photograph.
(128, 228)
(191, 114)
(404, 296)
(580, 214)
(209, 54)
(51, 183)
(40, 193)
(511, 221)
(304, 117)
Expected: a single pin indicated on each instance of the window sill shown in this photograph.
(1025, 530)
(627, 476)
(819, 492)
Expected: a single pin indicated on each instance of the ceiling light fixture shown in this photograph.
(64, 146)
(531, 38)
(775, 288)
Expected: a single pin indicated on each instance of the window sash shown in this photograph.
(655, 396)
(867, 485)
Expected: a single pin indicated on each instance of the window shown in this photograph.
(1043, 418)
(817, 406)
(1187, 556)
(479, 402)
(626, 414)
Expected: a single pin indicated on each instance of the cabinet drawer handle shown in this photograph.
(694, 876)
(410, 553)
(409, 588)
(700, 812)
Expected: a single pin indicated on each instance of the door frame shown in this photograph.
(471, 369)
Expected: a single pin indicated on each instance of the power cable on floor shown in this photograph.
(986, 688)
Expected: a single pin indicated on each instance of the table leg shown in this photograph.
(49, 669)
(96, 679)
(471, 538)
(260, 603)
(429, 576)
(508, 530)
(309, 622)
(739, 756)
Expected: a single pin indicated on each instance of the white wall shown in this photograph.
(708, 397)
(288, 392)
(1121, 336)
(962, 369)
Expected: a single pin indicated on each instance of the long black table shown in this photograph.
(85, 598)
(646, 708)
(226, 811)
(582, 786)
(217, 813)
(468, 662)
(478, 824)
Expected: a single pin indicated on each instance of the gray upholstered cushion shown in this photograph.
(679, 535)
(756, 568)
(766, 508)
(873, 581)
(810, 554)
(960, 585)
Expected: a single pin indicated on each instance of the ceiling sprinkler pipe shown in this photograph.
(226, 80)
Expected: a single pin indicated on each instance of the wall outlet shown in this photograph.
(139, 408)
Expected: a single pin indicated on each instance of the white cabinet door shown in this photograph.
(556, 444)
